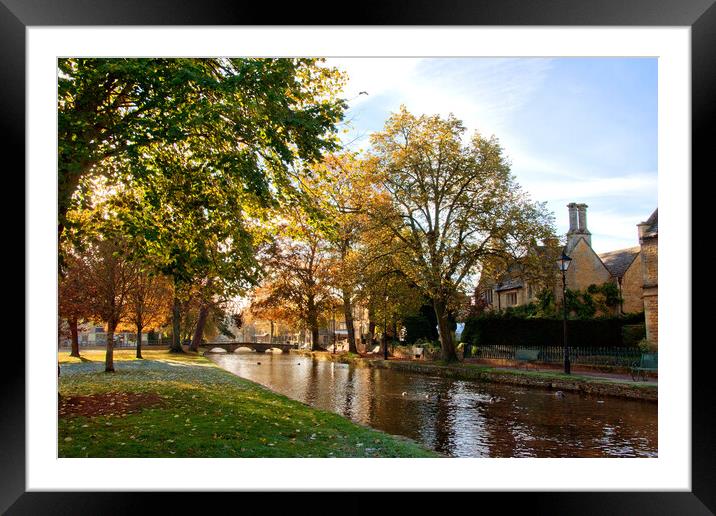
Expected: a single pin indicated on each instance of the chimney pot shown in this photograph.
(642, 229)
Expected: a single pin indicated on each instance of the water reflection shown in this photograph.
(460, 418)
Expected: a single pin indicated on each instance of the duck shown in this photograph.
(559, 394)
(404, 393)
(492, 399)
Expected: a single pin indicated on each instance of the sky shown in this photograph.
(574, 129)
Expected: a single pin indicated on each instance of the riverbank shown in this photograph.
(645, 391)
(182, 405)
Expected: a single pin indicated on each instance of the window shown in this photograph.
(488, 296)
(511, 298)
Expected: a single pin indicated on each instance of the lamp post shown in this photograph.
(563, 264)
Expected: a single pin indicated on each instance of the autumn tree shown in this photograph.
(450, 202)
(73, 290)
(111, 276)
(148, 303)
(382, 286)
(298, 271)
(340, 189)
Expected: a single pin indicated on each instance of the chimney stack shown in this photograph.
(572, 218)
(577, 225)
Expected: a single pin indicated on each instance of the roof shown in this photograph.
(509, 285)
(652, 222)
(617, 262)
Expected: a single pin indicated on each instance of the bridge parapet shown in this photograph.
(259, 347)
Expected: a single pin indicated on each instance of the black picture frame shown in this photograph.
(700, 15)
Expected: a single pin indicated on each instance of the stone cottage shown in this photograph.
(633, 270)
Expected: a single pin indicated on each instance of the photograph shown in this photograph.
(357, 257)
(413, 252)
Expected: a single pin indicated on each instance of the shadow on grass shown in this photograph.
(80, 358)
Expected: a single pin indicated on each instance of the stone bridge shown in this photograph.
(260, 347)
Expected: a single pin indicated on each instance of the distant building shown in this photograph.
(93, 335)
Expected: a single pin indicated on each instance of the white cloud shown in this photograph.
(375, 76)
(483, 94)
(489, 95)
(583, 189)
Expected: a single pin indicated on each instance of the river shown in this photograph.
(456, 417)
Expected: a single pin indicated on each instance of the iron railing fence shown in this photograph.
(600, 356)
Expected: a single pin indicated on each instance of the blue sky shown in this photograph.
(574, 129)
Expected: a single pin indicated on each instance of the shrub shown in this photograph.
(505, 329)
(419, 327)
(633, 334)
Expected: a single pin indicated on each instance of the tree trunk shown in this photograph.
(447, 345)
(314, 337)
(109, 357)
(176, 327)
(75, 337)
(348, 314)
(139, 341)
(200, 325)
(313, 325)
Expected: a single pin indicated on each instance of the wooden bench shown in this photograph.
(648, 362)
(526, 355)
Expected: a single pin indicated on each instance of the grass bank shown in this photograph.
(182, 405)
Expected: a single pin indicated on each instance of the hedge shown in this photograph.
(492, 331)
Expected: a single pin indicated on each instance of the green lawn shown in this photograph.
(199, 410)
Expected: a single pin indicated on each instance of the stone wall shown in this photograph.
(521, 295)
(650, 271)
(546, 380)
(651, 315)
(632, 282)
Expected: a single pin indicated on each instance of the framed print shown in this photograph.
(662, 468)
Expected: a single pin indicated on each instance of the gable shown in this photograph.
(586, 267)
